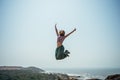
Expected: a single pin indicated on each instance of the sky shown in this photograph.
(28, 38)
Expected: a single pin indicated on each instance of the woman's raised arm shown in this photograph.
(56, 30)
(70, 32)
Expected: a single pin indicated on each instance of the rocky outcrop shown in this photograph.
(94, 79)
(74, 77)
(62, 76)
(113, 77)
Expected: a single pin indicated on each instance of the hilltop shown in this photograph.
(33, 69)
(28, 73)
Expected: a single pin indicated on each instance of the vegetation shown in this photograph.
(26, 75)
(33, 69)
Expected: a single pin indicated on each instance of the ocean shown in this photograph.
(87, 73)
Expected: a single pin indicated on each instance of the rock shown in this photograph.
(62, 76)
(74, 77)
(94, 79)
(113, 77)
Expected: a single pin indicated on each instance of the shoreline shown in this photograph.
(87, 73)
(15, 72)
(79, 77)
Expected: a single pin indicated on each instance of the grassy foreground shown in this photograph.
(30, 75)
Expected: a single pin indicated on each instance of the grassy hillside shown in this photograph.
(29, 75)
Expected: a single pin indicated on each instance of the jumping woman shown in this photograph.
(60, 53)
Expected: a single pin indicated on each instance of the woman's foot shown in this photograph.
(67, 55)
(67, 52)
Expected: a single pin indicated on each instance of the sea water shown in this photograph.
(87, 73)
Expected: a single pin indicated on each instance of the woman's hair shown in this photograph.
(62, 32)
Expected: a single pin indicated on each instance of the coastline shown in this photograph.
(34, 73)
(86, 74)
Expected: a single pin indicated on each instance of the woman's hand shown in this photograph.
(74, 29)
(55, 25)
